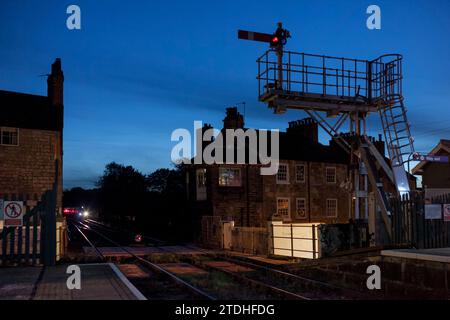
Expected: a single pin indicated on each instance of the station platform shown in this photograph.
(102, 281)
(435, 255)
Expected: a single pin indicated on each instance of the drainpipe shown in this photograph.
(308, 164)
(248, 196)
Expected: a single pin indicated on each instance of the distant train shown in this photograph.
(75, 212)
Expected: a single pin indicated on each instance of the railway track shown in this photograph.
(307, 287)
(209, 281)
(166, 279)
(147, 239)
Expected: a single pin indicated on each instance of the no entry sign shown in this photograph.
(447, 212)
(1, 209)
(13, 213)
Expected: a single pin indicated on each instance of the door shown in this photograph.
(227, 229)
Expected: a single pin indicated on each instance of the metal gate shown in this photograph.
(410, 227)
(35, 241)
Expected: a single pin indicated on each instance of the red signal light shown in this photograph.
(275, 40)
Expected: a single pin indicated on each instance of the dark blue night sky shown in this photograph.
(137, 70)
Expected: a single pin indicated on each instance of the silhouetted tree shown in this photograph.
(154, 204)
(166, 181)
(122, 192)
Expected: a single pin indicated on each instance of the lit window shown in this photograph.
(283, 209)
(331, 209)
(330, 173)
(9, 136)
(283, 174)
(230, 177)
(300, 173)
(301, 208)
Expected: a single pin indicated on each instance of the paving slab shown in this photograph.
(18, 283)
(102, 281)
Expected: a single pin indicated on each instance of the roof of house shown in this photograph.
(21, 110)
(442, 148)
(297, 147)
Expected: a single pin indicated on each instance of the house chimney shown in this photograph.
(233, 119)
(306, 128)
(380, 145)
(55, 84)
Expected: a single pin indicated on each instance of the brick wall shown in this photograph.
(29, 168)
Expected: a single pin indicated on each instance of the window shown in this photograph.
(301, 208)
(9, 136)
(331, 209)
(230, 177)
(330, 173)
(283, 173)
(300, 173)
(201, 184)
(283, 208)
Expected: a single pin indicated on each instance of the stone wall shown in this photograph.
(240, 204)
(315, 190)
(255, 201)
(29, 168)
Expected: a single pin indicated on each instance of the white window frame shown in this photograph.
(296, 208)
(227, 185)
(287, 174)
(326, 208)
(9, 129)
(289, 216)
(296, 173)
(326, 175)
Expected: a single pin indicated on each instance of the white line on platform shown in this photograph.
(127, 282)
(417, 256)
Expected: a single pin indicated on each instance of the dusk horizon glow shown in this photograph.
(137, 71)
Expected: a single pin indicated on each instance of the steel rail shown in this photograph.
(99, 253)
(260, 284)
(280, 272)
(282, 292)
(153, 266)
(99, 224)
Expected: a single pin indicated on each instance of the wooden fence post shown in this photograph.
(292, 241)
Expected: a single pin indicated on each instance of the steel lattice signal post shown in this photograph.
(336, 90)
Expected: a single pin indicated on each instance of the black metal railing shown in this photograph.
(348, 78)
(410, 226)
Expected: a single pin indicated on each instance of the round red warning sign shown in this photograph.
(13, 210)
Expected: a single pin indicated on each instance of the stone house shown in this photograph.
(31, 153)
(311, 185)
(31, 147)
